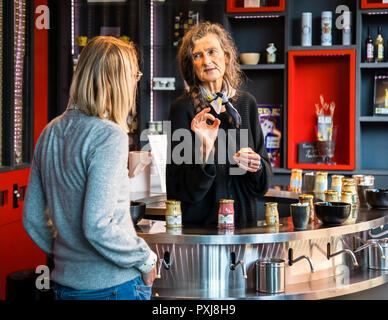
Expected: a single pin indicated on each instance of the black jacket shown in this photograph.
(200, 187)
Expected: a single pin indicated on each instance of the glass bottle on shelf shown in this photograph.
(190, 19)
(379, 46)
(176, 31)
(369, 48)
(185, 25)
(271, 53)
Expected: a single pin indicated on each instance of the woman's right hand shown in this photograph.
(149, 277)
(206, 133)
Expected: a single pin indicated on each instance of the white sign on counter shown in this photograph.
(158, 144)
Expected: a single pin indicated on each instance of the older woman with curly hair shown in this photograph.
(229, 160)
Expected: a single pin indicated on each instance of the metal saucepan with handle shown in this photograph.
(377, 260)
(271, 273)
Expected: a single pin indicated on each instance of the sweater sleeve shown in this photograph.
(186, 180)
(259, 181)
(117, 242)
(34, 217)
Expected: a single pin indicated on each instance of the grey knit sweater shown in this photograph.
(79, 173)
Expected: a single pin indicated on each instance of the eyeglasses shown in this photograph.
(138, 75)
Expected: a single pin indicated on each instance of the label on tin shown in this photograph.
(337, 188)
(321, 186)
(173, 221)
(296, 183)
(225, 219)
(176, 231)
(272, 220)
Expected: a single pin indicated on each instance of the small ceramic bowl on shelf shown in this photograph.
(250, 58)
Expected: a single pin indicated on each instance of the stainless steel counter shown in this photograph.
(199, 256)
(359, 280)
(155, 231)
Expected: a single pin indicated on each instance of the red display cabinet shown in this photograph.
(332, 74)
(233, 6)
(373, 4)
(17, 250)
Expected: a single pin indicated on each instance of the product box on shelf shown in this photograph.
(380, 95)
(270, 117)
(251, 3)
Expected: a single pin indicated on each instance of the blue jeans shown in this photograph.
(132, 290)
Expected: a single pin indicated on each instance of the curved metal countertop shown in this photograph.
(360, 279)
(155, 231)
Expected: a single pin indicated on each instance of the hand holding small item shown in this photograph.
(248, 160)
(138, 161)
(207, 133)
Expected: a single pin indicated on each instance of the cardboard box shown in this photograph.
(270, 117)
(251, 3)
(380, 95)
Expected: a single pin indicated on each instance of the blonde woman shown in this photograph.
(79, 173)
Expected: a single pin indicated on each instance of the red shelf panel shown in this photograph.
(373, 4)
(233, 6)
(332, 74)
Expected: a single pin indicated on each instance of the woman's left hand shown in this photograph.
(248, 160)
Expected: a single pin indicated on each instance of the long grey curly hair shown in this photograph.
(233, 76)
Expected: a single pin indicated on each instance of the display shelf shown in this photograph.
(281, 170)
(108, 18)
(295, 9)
(374, 11)
(375, 4)
(373, 21)
(366, 90)
(374, 65)
(380, 172)
(332, 74)
(271, 5)
(267, 85)
(374, 155)
(258, 15)
(266, 31)
(262, 67)
(374, 119)
(333, 47)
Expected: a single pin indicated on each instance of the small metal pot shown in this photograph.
(375, 260)
(270, 275)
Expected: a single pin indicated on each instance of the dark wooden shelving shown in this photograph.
(238, 6)
(374, 11)
(257, 15)
(373, 4)
(333, 47)
(374, 119)
(374, 65)
(281, 170)
(263, 66)
(336, 81)
(253, 28)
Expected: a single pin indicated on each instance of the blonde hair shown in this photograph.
(104, 83)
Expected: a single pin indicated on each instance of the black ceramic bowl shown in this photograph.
(332, 213)
(377, 198)
(137, 211)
